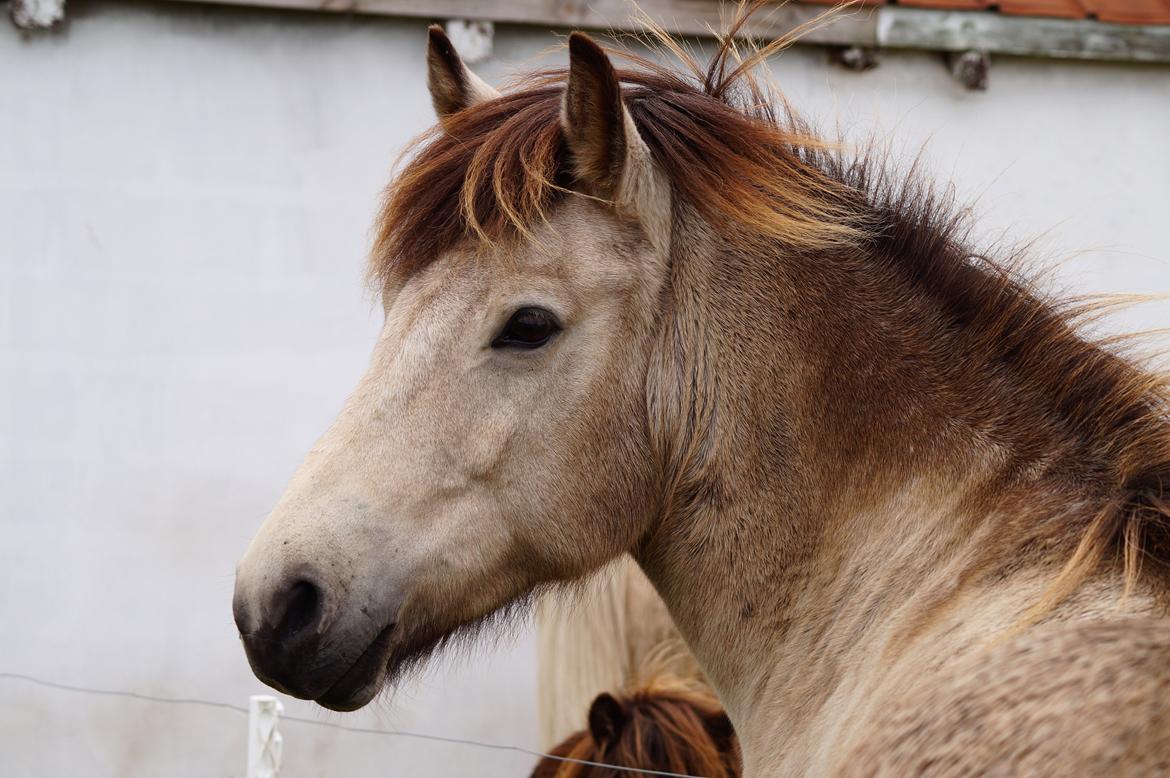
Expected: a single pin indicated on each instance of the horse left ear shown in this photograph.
(607, 719)
(609, 156)
(453, 87)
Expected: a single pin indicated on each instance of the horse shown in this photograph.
(906, 514)
(613, 633)
(665, 725)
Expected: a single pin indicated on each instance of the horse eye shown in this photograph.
(528, 328)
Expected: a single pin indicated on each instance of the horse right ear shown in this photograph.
(607, 719)
(609, 156)
(721, 732)
(453, 87)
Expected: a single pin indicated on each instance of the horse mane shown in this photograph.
(735, 152)
(666, 725)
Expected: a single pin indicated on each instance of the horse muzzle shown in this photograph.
(297, 643)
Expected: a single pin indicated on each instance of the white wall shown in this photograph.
(185, 196)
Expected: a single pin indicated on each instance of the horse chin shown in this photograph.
(401, 647)
(390, 656)
(364, 679)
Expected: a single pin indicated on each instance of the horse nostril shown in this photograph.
(302, 610)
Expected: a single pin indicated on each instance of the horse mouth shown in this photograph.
(363, 680)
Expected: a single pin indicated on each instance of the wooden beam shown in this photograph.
(916, 28)
(681, 17)
(895, 27)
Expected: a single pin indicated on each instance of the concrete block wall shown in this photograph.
(185, 199)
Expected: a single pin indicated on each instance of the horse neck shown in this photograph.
(829, 491)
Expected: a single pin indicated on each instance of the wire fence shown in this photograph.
(398, 733)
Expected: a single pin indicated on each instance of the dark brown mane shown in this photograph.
(738, 156)
(1093, 419)
(661, 727)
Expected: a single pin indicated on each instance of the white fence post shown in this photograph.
(264, 741)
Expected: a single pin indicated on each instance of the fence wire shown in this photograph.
(194, 701)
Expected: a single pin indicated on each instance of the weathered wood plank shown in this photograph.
(916, 28)
(683, 17)
(892, 27)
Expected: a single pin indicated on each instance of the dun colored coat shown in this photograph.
(907, 519)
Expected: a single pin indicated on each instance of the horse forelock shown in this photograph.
(666, 725)
(487, 174)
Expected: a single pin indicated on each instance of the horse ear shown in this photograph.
(609, 156)
(607, 719)
(721, 731)
(594, 116)
(453, 87)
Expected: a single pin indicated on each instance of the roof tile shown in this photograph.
(1130, 11)
(950, 5)
(1066, 9)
